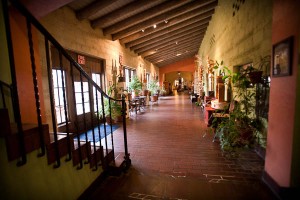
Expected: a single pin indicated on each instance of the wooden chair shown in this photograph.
(133, 104)
(218, 116)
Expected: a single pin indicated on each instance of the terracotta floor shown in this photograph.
(173, 157)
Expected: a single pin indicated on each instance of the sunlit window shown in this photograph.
(82, 97)
(96, 96)
(59, 87)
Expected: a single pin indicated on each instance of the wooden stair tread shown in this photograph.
(119, 159)
(26, 127)
(60, 136)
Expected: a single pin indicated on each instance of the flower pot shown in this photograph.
(154, 98)
(109, 120)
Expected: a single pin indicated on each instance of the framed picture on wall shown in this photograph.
(282, 58)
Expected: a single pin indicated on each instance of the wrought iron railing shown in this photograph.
(75, 68)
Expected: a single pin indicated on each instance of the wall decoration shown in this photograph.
(282, 58)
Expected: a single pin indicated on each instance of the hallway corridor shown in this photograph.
(173, 157)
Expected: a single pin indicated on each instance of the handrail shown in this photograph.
(30, 19)
(14, 91)
(40, 27)
(3, 84)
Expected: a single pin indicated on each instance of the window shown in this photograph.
(59, 87)
(128, 74)
(82, 97)
(97, 79)
(148, 78)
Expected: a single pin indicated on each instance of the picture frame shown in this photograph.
(282, 57)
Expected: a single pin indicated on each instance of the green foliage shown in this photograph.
(238, 131)
(135, 84)
(113, 107)
(153, 86)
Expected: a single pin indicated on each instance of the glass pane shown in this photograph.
(56, 97)
(61, 96)
(85, 86)
(58, 117)
(87, 107)
(78, 98)
(54, 78)
(86, 97)
(63, 116)
(59, 80)
(77, 86)
(79, 109)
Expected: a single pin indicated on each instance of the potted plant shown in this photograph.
(237, 131)
(112, 110)
(135, 86)
(153, 88)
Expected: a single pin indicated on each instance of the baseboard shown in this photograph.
(283, 193)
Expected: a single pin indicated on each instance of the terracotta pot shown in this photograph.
(154, 98)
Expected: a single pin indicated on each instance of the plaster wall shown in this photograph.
(239, 39)
(283, 140)
(80, 37)
(187, 65)
(36, 179)
(5, 65)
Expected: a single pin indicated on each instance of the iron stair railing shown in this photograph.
(74, 66)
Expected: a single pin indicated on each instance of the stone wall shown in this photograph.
(80, 37)
(238, 36)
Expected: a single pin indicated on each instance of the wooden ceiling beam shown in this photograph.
(181, 50)
(207, 12)
(195, 27)
(93, 8)
(166, 42)
(160, 18)
(174, 59)
(161, 51)
(194, 21)
(138, 18)
(104, 20)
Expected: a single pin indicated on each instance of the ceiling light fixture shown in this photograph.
(143, 30)
(154, 26)
(166, 21)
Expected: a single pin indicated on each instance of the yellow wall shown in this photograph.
(238, 39)
(36, 179)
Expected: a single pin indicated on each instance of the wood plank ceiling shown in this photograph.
(180, 25)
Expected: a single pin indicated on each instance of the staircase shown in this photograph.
(112, 163)
(24, 138)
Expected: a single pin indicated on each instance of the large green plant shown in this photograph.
(114, 108)
(153, 86)
(135, 85)
(237, 131)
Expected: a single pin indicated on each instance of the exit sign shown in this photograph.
(81, 59)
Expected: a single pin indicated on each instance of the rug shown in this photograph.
(90, 132)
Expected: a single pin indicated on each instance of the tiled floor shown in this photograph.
(173, 157)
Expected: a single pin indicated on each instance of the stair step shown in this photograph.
(118, 165)
(96, 156)
(85, 148)
(31, 139)
(108, 158)
(62, 146)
